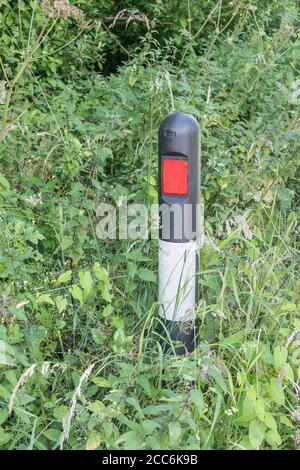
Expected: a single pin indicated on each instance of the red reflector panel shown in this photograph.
(175, 177)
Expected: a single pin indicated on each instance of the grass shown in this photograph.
(81, 359)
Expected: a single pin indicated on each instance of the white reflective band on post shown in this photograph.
(177, 280)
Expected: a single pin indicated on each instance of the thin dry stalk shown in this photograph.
(21, 382)
(68, 419)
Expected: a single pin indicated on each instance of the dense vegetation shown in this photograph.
(84, 86)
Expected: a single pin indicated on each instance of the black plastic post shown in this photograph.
(179, 206)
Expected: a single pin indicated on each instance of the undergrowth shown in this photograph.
(83, 90)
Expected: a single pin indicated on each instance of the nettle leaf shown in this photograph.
(101, 382)
(86, 281)
(260, 408)
(269, 421)
(6, 354)
(45, 299)
(61, 303)
(98, 336)
(52, 434)
(133, 401)
(136, 256)
(218, 377)
(276, 392)
(149, 426)
(67, 242)
(175, 432)
(94, 441)
(147, 275)
(284, 420)
(106, 294)
(4, 437)
(64, 277)
(297, 323)
(77, 293)
(102, 275)
(197, 399)
(289, 373)
(4, 183)
(108, 310)
(144, 382)
(273, 438)
(280, 357)
(248, 410)
(59, 412)
(3, 415)
(289, 307)
(100, 272)
(256, 434)
(131, 440)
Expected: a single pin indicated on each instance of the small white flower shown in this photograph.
(21, 304)
(231, 411)
(35, 200)
(219, 314)
(257, 196)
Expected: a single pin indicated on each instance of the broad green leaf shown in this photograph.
(280, 357)
(86, 281)
(175, 432)
(100, 272)
(77, 293)
(108, 310)
(245, 444)
(237, 338)
(132, 441)
(260, 408)
(3, 415)
(149, 426)
(6, 354)
(289, 307)
(147, 275)
(144, 382)
(197, 399)
(289, 373)
(132, 79)
(45, 299)
(64, 277)
(256, 434)
(273, 438)
(61, 303)
(4, 437)
(97, 407)
(218, 377)
(94, 441)
(269, 421)
(67, 242)
(248, 410)
(276, 392)
(60, 412)
(52, 434)
(285, 420)
(133, 401)
(297, 323)
(101, 382)
(4, 183)
(107, 296)
(98, 336)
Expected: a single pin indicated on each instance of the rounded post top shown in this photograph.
(180, 122)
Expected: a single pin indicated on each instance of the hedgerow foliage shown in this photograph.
(84, 86)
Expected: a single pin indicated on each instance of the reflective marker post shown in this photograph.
(179, 233)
